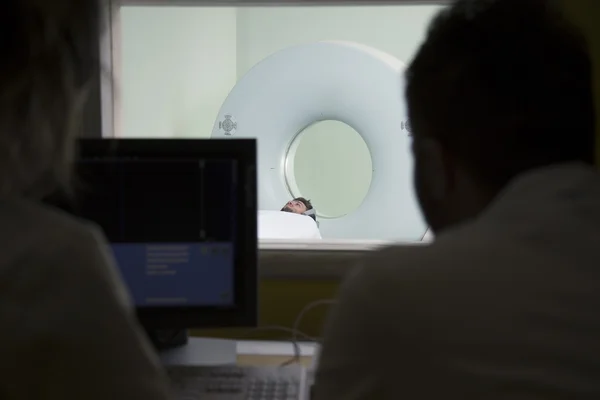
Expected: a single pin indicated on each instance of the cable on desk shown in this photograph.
(294, 340)
(298, 321)
(307, 308)
(294, 331)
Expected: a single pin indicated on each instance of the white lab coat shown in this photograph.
(503, 307)
(67, 328)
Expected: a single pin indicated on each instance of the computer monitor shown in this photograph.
(180, 216)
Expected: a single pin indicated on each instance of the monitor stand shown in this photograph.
(176, 347)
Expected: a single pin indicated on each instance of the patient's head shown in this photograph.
(497, 88)
(48, 62)
(299, 205)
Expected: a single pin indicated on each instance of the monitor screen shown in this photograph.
(170, 222)
(177, 221)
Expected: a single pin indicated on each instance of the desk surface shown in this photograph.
(273, 352)
(209, 351)
(269, 360)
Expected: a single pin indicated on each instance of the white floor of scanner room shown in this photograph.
(286, 225)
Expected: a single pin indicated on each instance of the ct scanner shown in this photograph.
(352, 83)
(289, 91)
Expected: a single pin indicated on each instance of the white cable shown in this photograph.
(294, 341)
(298, 321)
(294, 330)
(306, 309)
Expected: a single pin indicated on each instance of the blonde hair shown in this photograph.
(43, 91)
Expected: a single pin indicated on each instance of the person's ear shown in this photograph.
(436, 168)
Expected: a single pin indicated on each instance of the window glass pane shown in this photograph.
(178, 65)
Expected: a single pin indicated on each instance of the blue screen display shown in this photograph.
(170, 222)
(181, 274)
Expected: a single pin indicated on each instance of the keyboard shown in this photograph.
(238, 383)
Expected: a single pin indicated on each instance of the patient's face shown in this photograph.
(294, 206)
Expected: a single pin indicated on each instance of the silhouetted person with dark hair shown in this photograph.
(68, 329)
(504, 303)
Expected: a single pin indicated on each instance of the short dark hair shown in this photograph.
(306, 202)
(504, 85)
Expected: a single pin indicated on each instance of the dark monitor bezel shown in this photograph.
(245, 311)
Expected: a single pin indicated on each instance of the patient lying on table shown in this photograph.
(290, 222)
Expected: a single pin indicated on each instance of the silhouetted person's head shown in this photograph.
(47, 64)
(498, 88)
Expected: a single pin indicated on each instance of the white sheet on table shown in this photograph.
(285, 225)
